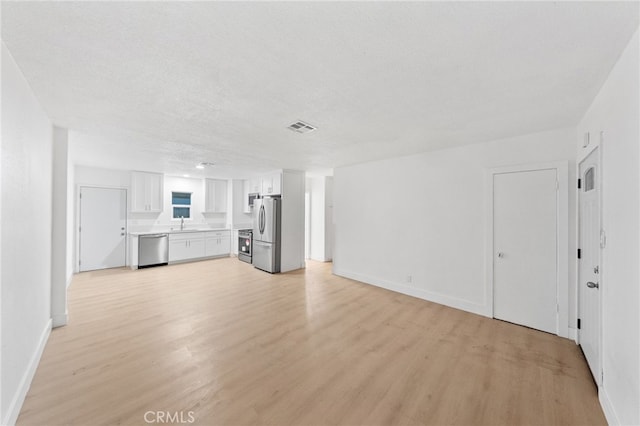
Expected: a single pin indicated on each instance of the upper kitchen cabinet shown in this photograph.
(254, 185)
(272, 184)
(246, 190)
(146, 192)
(215, 196)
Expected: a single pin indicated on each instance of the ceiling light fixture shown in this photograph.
(301, 127)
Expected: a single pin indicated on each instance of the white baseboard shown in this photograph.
(605, 403)
(320, 259)
(441, 299)
(59, 320)
(18, 399)
(573, 334)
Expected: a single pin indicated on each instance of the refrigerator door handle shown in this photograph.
(262, 221)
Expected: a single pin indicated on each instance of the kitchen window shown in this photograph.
(181, 205)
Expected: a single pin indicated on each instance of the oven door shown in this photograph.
(245, 247)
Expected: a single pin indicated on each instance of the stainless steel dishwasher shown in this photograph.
(153, 250)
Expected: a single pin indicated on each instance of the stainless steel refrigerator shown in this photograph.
(266, 234)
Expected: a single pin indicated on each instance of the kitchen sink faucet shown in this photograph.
(182, 223)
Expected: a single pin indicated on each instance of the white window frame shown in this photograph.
(188, 206)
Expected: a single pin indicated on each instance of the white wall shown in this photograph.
(615, 111)
(26, 236)
(315, 188)
(2, 409)
(424, 216)
(197, 188)
(320, 190)
(328, 218)
(71, 218)
(292, 230)
(239, 219)
(93, 176)
(140, 222)
(60, 277)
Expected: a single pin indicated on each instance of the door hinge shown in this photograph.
(578, 323)
(79, 228)
(579, 254)
(579, 183)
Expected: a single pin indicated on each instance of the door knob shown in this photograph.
(500, 255)
(593, 285)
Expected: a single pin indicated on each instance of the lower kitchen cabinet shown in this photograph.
(186, 246)
(196, 245)
(218, 243)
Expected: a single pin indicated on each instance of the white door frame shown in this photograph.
(76, 260)
(601, 266)
(562, 240)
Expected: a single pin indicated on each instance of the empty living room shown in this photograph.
(320, 213)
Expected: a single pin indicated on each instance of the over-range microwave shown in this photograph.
(252, 197)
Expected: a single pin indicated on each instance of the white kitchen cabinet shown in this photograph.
(146, 192)
(271, 184)
(255, 185)
(215, 196)
(217, 243)
(190, 245)
(246, 190)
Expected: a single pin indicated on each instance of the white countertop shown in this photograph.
(177, 231)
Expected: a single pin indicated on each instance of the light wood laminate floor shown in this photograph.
(237, 346)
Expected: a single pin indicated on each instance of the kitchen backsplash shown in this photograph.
(137, 224)
(150, 225)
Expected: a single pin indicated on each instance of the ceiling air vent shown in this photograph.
(203, 165)
(301, 127)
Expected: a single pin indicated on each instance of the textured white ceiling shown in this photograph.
(175, 83)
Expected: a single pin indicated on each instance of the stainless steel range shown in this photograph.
(245, 245)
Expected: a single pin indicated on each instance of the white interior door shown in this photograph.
(103, 215)
(589, 263)
(525, 248)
